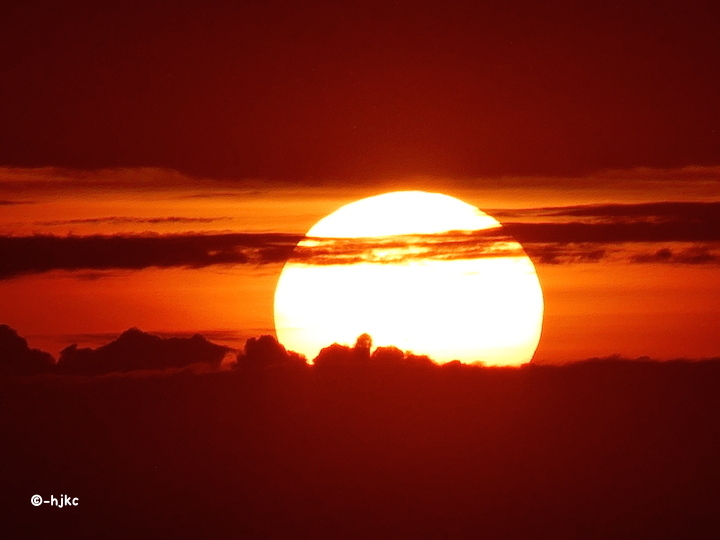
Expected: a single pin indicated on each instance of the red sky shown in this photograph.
(179, 118)
(327, 91)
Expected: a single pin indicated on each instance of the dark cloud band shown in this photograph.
(34, 254)
(681, 233)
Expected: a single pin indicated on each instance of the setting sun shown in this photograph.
(424, 272)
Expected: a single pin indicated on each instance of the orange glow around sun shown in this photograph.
(424, 272)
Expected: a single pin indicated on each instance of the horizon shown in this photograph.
(138, 356)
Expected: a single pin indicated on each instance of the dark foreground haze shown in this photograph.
(597, 449)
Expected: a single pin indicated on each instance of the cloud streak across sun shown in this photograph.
(667, 233)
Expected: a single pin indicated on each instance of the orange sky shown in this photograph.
(661, 309)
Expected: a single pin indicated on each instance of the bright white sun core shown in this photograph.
(423, 272)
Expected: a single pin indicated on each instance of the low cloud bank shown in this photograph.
(17, 358)
(133, 350)
(138, 351)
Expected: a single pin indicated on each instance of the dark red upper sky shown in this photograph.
(335, 90)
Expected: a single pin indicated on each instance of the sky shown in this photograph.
(159, 162)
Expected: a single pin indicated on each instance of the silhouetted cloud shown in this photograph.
(619, 358)
(33, 254)
(337, 355)
(691, 232)
(594, 233)
(17, 358)
(227, 336)
(137, 350)
(266, 351)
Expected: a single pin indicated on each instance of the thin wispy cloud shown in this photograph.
(12, 203)
(23, 180)
(116, 220)
(656, 212)
(33, 179)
